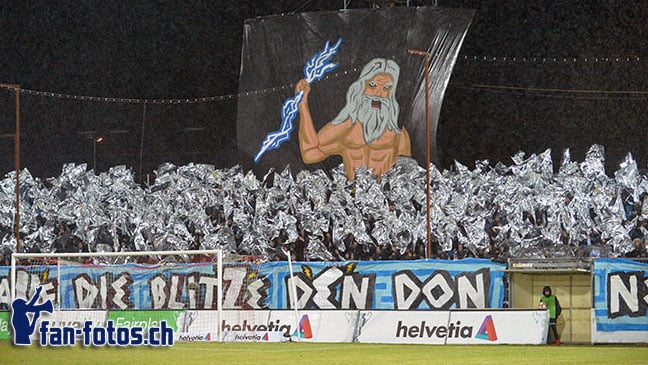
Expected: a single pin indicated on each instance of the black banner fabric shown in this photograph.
(276, 48)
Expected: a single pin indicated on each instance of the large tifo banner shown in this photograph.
(368, 79)
(366, 285)
(620, 301)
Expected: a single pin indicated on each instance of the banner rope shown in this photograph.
(168, 101)
(487, 88)
(557, 93)
(630, 58)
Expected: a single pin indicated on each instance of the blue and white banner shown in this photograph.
(127, 286)
(5, 292)
(365, 285)
(620, 295)
(403, 285)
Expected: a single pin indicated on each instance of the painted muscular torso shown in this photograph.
(379, 156)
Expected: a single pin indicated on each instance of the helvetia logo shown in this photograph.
(248, 337)
(245, 326)
(487, 330)
(425, 330)
(304, 328)
(194, 338)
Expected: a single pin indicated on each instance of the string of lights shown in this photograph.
(502, 89)
(557, 93)
(630, 58)
(127, 100)
(169, 101)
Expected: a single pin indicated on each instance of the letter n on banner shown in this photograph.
(627, 294)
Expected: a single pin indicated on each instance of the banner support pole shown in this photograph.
(293, 291)
(427, 146)
(16, 161)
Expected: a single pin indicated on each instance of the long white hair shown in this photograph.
(358, 105)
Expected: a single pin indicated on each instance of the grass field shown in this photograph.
(317, 353)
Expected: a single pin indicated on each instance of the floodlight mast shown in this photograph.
(16, 161)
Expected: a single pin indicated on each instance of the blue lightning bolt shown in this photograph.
(314, 70)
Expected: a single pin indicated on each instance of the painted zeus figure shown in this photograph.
(365, 132)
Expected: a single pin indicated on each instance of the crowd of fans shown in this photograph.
(281, 246)
(349, 248)
(525, 210)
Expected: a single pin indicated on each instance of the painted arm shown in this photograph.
(35, 297)
(404, 145)
(316, 146)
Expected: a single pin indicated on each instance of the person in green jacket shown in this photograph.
(550, 301)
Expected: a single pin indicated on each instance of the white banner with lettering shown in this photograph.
(454, 327)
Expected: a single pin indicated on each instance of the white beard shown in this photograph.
(374, 121)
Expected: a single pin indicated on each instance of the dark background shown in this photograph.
(148, 50)
(301, 35)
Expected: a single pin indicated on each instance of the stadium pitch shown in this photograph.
(325, 353)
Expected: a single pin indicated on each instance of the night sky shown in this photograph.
(146, 50)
